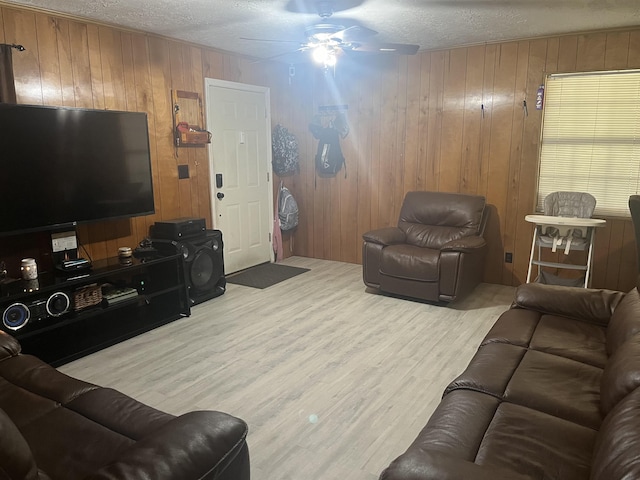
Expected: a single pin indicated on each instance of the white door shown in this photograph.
(240, 164)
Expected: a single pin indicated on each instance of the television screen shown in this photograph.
(64, 166)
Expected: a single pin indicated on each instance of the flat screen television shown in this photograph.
(60, 167)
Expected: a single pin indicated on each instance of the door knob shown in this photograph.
(220, 195)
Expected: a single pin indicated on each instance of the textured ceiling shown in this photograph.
(432, 24)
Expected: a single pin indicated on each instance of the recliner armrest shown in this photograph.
(587, 304)
(195, 445)
(464, 244)
(385, 236)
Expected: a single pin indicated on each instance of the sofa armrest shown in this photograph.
(431, 465)
(464, 244)
(595, 306)
(196, 445)
(385, 236)
(9, 346)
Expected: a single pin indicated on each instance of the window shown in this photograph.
(591, 138)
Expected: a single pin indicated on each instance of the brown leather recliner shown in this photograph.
(436, 253)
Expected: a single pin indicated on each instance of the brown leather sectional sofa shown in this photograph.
(55, 427)
(553, 392)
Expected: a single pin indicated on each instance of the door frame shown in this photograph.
(213, 82)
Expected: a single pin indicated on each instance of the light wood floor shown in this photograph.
(371, 368)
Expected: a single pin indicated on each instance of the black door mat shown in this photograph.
(265, 275)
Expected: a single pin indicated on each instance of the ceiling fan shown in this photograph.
(327, 39)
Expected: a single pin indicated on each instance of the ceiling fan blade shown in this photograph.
(354, 32)
(269, 40)
(398, 48)
(291, 52)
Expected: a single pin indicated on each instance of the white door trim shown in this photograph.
(212, 82)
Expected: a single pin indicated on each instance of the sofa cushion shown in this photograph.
(30, 373)
(16, 459)
(570, 338)
(431, 236)
(23, 406)
(621, 375)
(453, 215)
(410, 262)
(525, 377)
(618, 442)
(537, 444)
(119, 413)
(625, 321)
(474, 435)
(72, 447)
(31, 389)
(562, 336)
(575, 388)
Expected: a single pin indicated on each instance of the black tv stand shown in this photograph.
(161, 298)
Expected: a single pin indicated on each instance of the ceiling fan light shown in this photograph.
(321, 54)
(317, 54)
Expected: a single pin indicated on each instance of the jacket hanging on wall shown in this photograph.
(329, 157)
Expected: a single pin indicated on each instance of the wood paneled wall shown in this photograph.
(453, 121)
(69, 62)
(449, 120)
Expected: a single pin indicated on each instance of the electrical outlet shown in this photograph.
(183, 171)
(508, 257)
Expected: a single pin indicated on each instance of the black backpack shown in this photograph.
(285, 152)
(329, 158)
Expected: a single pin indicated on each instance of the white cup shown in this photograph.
(29, 269)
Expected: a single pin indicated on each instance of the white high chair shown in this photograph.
(566, 225)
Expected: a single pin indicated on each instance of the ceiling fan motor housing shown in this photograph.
(322, 31)
(325, 8)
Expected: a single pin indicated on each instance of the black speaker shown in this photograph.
(203, 263)
(17, 315)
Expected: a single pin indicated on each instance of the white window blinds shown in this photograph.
(591, 138)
